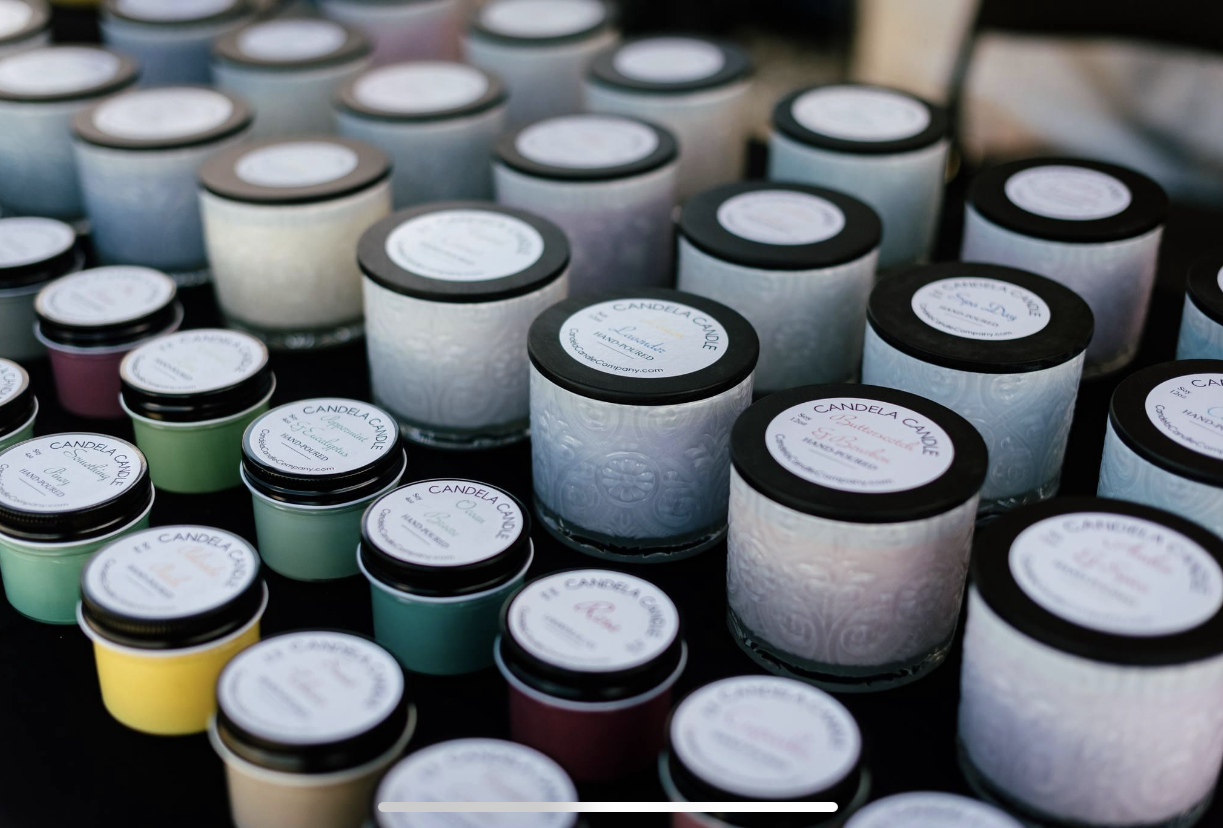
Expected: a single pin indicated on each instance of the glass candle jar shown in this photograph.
(443, 555)
(33, 251)
(1001, 347)
(696, 88)
(170, 38)
(851, 519)
(90, 320)
(306, 724)
(18, 405)
(63, 497)
(41, 90)
(289, 69)
(402, 29)
(312, 468)
(1094, 227)
(166, 608)
(591, 657)
(1093, 665)
(930, 809)
(451, 290)
(609, 183)
(190, 397)
(797, 261)
(24, 24)
(139, 155)
(282, 218)
(437, 121)
(1201, 334)
(632, 402)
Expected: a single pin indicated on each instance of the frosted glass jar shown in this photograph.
(282, 218)
(1094, 227)
(33, 251)
(609, 182)
(402, 29)
(797, 261)
(1093, 665)
(437, 121)
(1201, 334)
(632, 401)
(18, 405)
(139, 155)
(851, 518)
(451, 290)
(1002, 348)
(930, 809)
(696, 88)
(170, 39)
(24, 24)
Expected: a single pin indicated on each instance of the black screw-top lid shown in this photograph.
(17, 401)
(421, 92)
(34, 250)
(289, 44)
(163, 117)
(670, 64)
(294, 170)
(107, 306)
(1205, 284)
(860, 118)
(587, 147)
(51, 74)
(35, 20)
(175, 13)
(542, 22)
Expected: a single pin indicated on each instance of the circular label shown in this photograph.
(1117, 574)
(421, 87)
(13, 380)
(593, 621)
(781, 217)
(857, 113)
(464, 245)
(859, 445)
(66, 472)
(321, 437)
(165, 11)
(59, 70)
(26, 241)
(930, 810)
(669, 60)
(105, 295)
(1219, 279)
(163, 114)
(1068, 193)
(765, 737)
(14, 16)
(1189, 411)
(985, 309)
(291, 40)
(542, 18)
(192, 362)
(586, 142)
(296, 164)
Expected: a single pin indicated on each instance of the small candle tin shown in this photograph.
(1094, 227)
(451, 290)
(696, 88)
(851, 519)
(282, 218)
(1094, 624)
(402, 29)
(632, 401)
(166, 609)
(312, 468)
(930, 809)
(590, 657)
(1201, 334)
(306, 724)
(288, 69)
(170, 38)
(190, 397)
(63, 497)
(1001, 347)
(443, 555)
(884, 146)
(609, 182)
(41, 90)
(139, 154)
(24, 24)
(437, 121)
(33, 251)
(797, 261)
(90, 320)
(18, 405)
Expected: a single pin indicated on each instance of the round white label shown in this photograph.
(1068, 193)
(66, 472)
(291, 40)
(58, 70)
(13, 380)
(163, 114)
(857, 113)
(586, 142)
(464, 245)
(105, 295)
(321, 437)
(296, 164)
(930, 809)
(781, 217)
(593, 621)
(541, 18)
(859, 445)
(196, 361)
(421, 87)
(985, 309)
(669, 60)
(311, 687)
(1189, 411)
(14, 16)
(166, 11)
(25, 241)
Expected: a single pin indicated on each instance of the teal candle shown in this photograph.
(18, 405)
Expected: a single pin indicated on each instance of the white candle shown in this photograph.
(415, 30)
(170, 39)
(24, 24)
(1201, 334)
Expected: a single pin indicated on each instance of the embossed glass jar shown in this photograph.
(851, 518)
(797, 261)
(24, 24)
(33, 251)
(1093, 665)
(1001, 347)
(1201, 334)
(451, 290)
(170, 38)
(633, 397)
(402, 29)
(930, 809)
(1094, 227)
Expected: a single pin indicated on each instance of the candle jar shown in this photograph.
(190, 397)
(166, 608)
(306, 724)
(18, 405)
(312, 468)
(281, 221)
(451, 290)
(33, 251)
(696, 88)
(170, 38)
(437, 121)
(1094, 624)
(63, 497)
(443, 555)
(41, 90)
(609, 183)
(411, 30)
(288, 69)
(90, 320)
(797, 261)
(590, 657)
(1094, 227)
(1201, 335)
(24, 24)
(1001, 347)
(930, 809)
(632, 403)
(851, 518)
(139, 155)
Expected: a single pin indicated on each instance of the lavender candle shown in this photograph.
(170, 38)
(1201, 334)
(24, 24)
(33, 252)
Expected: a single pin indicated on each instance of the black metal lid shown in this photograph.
(34, 250)
(176, 13)
(1204, 286)
(34, 20)
(422, 91)
(107, 306)
(50, 74)
(542, 22)
(670, 64)
(294, 170)
(163, 117)
(860, 119)
(290, 44)
(587, 147)
(17, 401)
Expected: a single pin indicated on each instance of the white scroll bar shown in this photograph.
(607, 807)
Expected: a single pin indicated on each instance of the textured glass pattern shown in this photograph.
(288, 102)
(1201, 337)
(37, 167)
